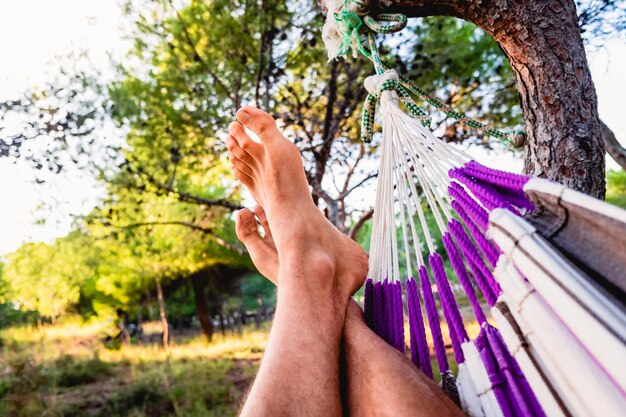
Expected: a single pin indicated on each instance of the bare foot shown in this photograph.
(273, 172)
(264, 255)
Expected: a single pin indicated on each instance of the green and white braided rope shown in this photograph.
(354, 19)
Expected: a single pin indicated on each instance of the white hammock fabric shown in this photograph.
(565, 342)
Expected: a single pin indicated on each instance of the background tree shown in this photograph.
(47, 278)
(171, 103)
(152, 132)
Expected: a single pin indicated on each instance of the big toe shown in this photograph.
(262, 253)
(246, 226)
(259, 122)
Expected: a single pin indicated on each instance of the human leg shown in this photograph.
(379, 380)
(299, 372)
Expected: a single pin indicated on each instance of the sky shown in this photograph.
(38, 31)
(35, 32)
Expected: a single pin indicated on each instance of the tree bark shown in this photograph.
(612, 146)
(164, 323)
(542, 42)
(202, 307)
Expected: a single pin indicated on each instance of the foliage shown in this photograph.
(153, 130)
(600, 20)
(616, 187)
(9, 314)
(257, 291)
(68, 372)
(47, 278)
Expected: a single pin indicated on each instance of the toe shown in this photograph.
(259, 122)
(245, 142)
(259, 211)
(263, 255)
(235, 149)
(244, 178)
(240, 165)
(246, 226)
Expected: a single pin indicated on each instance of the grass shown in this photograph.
(66, 370)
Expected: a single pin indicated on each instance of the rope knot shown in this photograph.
(517, 139)
(375, 84)
(360, 7)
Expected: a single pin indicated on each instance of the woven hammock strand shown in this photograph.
(461, 272)
(420, 356)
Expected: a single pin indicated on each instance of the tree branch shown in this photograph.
(328, 134)
(415, 8)
(357, 185)
(186, 197)
(190, 198)
(205, 230)
(612, 146)
(421, 8)
(359, 224)
(165, 223)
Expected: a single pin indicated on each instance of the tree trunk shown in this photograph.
(542, 42)
(124, 334)
(164, 324)
(202, 307)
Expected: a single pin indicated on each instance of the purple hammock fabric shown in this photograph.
(510, 386)
(448, 383)
(489, 197)
(494, 188)
(389, 313)
(461, 272)
(517, 198)
(379, 318)
(420, 355)
(384, 312)
(395, 320)
(487, 248)
(483, 275)
(451, 312)
(495, 177)
(399, 316)
(469, 205)
(433, 320)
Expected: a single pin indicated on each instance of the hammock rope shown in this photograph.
(354, 20)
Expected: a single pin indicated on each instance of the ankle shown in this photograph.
(304, 260)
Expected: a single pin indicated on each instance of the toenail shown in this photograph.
(244, 117)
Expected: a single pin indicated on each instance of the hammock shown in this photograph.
(548, 262)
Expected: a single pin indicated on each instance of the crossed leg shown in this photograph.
(317, 269)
